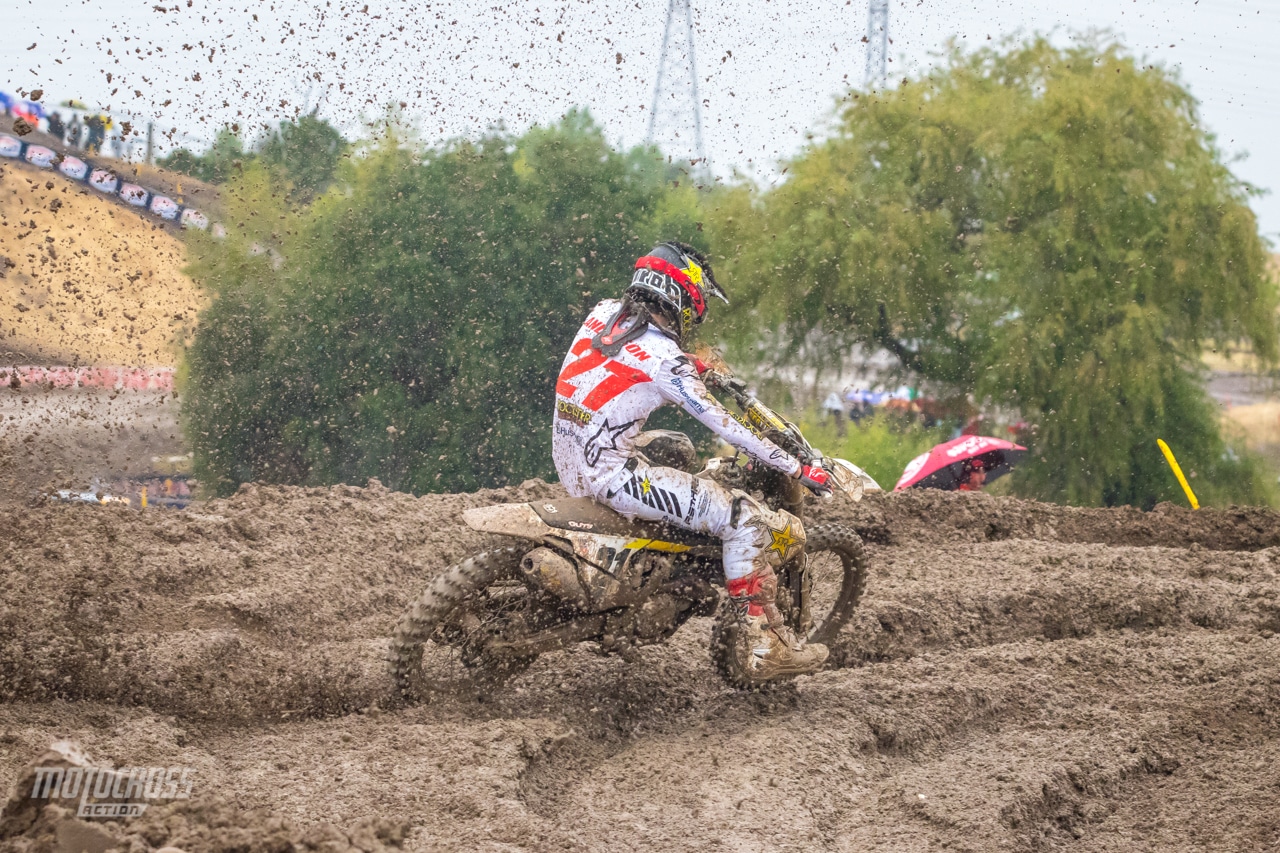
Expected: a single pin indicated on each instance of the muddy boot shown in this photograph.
(774, 650)
(776, 653)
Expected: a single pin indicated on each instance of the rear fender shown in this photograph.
(508, 520)
(595, 553)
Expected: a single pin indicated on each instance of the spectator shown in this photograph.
(97, 125)
(975, 426)
(973, 476)
(57, 129)
(902, 408)
(108, 128)
(74, 131)
(835, 409)
(856, 401)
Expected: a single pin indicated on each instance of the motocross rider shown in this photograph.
(627, 360)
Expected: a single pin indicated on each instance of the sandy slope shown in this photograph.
(1020, 677)
(84, 281)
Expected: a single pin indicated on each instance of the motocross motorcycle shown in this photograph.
(584, 573)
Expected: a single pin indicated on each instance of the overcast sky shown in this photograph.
(769, 71)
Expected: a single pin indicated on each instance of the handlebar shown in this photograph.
(763, 419)
(731, 385)
(847, 479)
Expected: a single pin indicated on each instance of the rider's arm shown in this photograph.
(678, 381)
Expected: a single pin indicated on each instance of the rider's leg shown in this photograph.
(756, 541)
(752, 581)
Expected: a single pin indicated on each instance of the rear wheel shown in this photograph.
(441, 642)
(835, 575)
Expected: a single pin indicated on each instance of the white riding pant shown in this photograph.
(753, 535)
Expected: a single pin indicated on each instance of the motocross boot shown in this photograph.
(775, 651)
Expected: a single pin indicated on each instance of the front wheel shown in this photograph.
(816, 602)
(835, 576)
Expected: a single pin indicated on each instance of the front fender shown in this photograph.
(850, 480)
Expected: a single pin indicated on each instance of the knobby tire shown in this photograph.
(454, 588)
(726, 632)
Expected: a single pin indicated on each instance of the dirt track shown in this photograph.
(64, 438)
(1020, 677)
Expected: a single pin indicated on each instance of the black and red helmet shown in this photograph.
(678, 278)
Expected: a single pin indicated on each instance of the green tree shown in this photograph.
(307, 152)
(228, 378)
(1050, 229)
(215, 166)
(412, 325)
(304, 153)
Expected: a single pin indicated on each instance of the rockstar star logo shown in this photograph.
(694, 272)
(783, 541)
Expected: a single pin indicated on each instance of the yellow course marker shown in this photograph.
(1177, 472)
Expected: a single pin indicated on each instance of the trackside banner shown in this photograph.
(119, 378)
(105, 181)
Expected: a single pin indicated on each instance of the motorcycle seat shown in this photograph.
(585, 515)
(668, 448)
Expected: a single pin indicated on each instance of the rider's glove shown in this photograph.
(815, 479)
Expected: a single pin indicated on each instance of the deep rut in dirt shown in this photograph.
(1020, 676)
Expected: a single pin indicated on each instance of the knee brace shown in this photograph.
(759, 537)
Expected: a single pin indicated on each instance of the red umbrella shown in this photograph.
(943, 468)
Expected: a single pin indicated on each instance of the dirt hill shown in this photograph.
(1020, 677)
(85, 281)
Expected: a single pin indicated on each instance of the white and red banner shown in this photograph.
(118, 378)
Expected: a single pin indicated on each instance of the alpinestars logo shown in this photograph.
(605, 438)
(652, 496)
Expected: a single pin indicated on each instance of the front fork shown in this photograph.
(800, 582)
(796, 584)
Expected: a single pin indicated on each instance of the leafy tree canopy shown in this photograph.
(215, 166)
(304, 153)
(1050, 229)
(307, 152)
(409, 324)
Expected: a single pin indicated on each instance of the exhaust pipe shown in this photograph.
(556, 574)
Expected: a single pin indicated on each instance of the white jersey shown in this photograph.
(602, 403)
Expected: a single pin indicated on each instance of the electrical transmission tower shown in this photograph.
(877, 43)
(676, 115)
